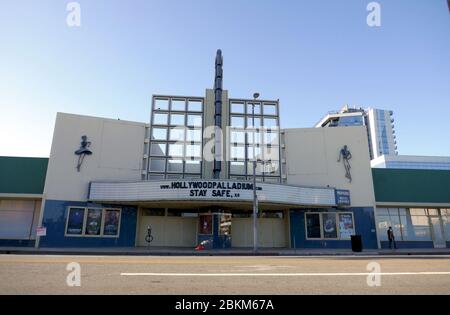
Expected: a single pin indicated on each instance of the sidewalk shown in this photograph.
(161, 251)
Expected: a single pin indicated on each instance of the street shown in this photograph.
(38, 274)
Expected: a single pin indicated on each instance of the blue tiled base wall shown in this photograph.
(364, 224)
(406, 244)
(17, 243)
(55, 216)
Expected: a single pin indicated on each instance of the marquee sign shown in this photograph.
(209, 190)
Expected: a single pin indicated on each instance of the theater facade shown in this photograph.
(187, 173)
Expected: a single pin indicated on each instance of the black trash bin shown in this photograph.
(357, 243)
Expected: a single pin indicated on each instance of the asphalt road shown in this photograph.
(21, 274)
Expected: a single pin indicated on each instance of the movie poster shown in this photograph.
(346, 228)
(75, 222)
(112, 220)
(329, 225)
(93, 222)
(205, 224)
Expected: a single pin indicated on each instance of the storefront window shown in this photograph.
(205, 224)
(93, 222)
(75, 221)
(313, 225)
(112, 221)
(329, 225)
(88, 222)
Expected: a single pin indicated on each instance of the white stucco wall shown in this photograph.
(117, 148)
(312, 155)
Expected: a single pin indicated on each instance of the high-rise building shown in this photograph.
(379, 124)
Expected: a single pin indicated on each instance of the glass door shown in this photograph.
(438, 232)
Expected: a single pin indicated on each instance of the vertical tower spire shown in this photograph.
(218, 114)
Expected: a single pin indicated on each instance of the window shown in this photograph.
(313, 225)
(237, 108)
(237, 168)
(254, 137)
(271, 153)
(250, 109)
(195, 106)
(408, 224)
(195, 120)
(175, 166)
(237, 137)
(271, 168)
(329, 225)
(178, 105)
(160, 119)
(271, 138)
(237, 152)
(93, 222)
(75, 221)
(194, 150)
(194, 135)
(270, 109)
(158, 149)
(176, 134)
(270, 122)
(259, 168)
(250, 122)
(193, 167)
(157, 165)
(237, 121)
(162, 104)
(176, 149)
(257, 153)
(177, 119)
(159, 134)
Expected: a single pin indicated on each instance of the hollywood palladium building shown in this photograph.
(107, 181)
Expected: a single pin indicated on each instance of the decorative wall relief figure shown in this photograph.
(83, 151)
(346, 156)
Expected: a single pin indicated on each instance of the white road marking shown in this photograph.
(332, 274)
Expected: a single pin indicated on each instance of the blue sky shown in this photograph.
(315, 56)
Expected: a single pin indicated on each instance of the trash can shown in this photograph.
(356, 243)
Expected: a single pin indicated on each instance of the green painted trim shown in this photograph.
(22, 175)
(413, 186)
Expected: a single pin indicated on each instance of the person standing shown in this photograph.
(391, 238)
